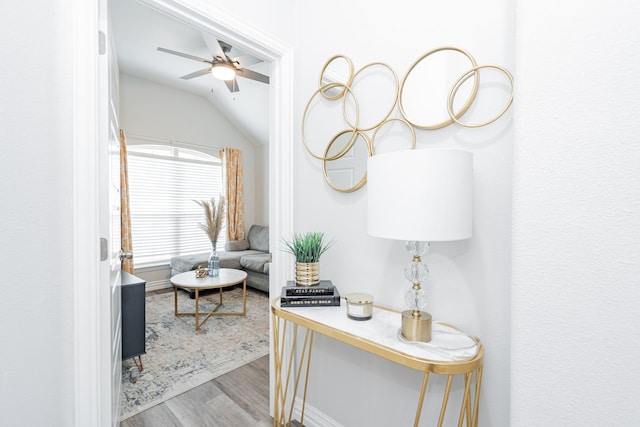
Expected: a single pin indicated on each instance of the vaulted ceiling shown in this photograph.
(138, 31)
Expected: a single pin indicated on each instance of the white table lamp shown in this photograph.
(419, 196)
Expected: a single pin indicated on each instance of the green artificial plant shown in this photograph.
(307, 247)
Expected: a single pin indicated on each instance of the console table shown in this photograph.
(450, 352)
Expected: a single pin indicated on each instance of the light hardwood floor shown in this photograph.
(237, 399)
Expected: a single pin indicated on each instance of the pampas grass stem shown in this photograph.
(214, 217)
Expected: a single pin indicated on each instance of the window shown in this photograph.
(164, 181)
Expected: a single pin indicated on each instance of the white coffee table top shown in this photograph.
(227, 277)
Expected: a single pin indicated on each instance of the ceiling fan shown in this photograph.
(222, 66)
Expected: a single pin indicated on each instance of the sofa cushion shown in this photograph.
(237, 245)
(180, 264)
(189, 262)
(256, 262)
(258, 238)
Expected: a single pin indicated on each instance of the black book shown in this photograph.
(325, 287)
(310, 300)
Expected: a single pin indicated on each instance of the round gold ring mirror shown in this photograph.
(348, 144)
(425, 86)
(337, 69)
(348, 172)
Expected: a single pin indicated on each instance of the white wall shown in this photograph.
(262, 185)
(157, 111)
(470, 281)
(36, 291)
(576, 256)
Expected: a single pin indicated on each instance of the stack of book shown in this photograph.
(321, 295)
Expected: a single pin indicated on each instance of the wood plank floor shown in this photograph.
(237, 399)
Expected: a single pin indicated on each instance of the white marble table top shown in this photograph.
(447, 344)
(227, 277)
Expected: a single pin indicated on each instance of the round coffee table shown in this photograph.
(228, 277)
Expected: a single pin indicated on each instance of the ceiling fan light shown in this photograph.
(223, 71)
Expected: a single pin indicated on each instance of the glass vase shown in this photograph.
(213, 268)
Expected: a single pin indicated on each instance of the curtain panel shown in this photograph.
(234, 190)
(125, 214)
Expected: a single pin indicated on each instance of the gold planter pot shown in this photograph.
(307, 273)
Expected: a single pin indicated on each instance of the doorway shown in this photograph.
(280, 167)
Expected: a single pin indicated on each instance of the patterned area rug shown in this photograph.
(180, 358)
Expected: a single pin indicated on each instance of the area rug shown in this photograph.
(179, 358)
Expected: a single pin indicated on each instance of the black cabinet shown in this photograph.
(132, 293)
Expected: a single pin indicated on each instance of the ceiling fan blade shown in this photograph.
(214, 47)
(232, 85)
(197, 73)
(249, 74)
(245, 60)
(185, 55)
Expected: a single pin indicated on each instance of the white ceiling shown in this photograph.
(139, 30)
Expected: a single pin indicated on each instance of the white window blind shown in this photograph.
(164, 181)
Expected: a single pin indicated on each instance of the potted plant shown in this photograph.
(307, 249)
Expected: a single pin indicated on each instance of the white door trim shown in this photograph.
(86, 267)
(90, 358)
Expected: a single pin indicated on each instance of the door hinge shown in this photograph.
(102, 43)
(104, 249)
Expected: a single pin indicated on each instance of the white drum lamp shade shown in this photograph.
(420, 195)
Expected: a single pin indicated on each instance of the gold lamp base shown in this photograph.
(416, 325)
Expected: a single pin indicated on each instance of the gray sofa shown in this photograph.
(251, 255)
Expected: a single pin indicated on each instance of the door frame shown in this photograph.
(90, 356)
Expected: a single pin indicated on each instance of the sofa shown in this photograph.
(251, 255)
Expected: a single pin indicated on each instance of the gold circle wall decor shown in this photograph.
(329, 93)
(464, 77)
(393, 104)
(325, 170)
(304, 117)
(321, 83)
(464, 108)
(411, 129)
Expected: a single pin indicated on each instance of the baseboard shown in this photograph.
(157, 285)
(313, 417)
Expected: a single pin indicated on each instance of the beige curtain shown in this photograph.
(125, 214)
(234, 190)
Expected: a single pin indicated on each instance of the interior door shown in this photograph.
(109, 224)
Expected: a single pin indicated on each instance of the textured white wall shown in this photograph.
(576, 223)
(36, 290)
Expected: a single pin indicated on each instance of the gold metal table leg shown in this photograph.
(445, 400)
(197, 309)
(208, 314)
(477, 396)
(283, 416)
(175, 300)
(465, 408)
(306, 379)
(425, 381)
(244, 297)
